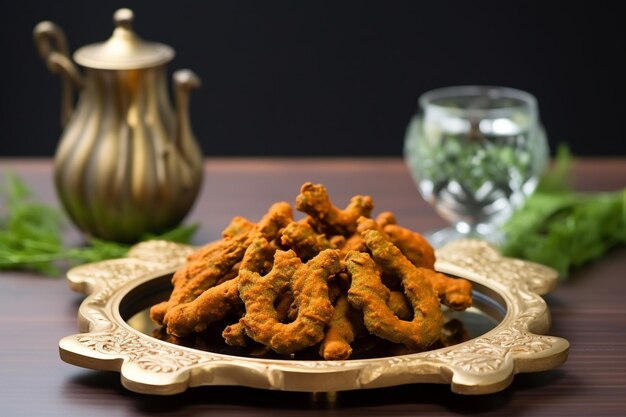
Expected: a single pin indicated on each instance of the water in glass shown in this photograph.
(475, 153)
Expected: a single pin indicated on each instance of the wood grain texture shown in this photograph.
(588, 310)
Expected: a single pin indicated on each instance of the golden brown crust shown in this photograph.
(301, 237)
(385, 218)
(237, 226)
(209, 264)
(235, 334)
(368, 294)
(356, 277)
(455, 293)
(313, 200)
(217, 302)
(308, 283)
(399, 305)
(412, 244)
(341, 331)
(201, 273)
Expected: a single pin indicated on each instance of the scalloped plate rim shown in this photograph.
(514, 348)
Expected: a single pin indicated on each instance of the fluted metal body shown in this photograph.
(127, 163)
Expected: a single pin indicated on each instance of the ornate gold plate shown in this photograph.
(506, 291)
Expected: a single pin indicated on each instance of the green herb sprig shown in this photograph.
(562, 228)
(31, 235)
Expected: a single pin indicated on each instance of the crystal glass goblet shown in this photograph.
(476, 153)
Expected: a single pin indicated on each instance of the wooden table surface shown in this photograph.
(588, 310)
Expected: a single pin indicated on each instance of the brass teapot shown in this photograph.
(127, 163)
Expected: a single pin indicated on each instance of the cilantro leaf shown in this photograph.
(562, 228)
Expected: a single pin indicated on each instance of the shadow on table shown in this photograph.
(431, 397)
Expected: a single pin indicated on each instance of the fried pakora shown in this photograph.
(326, 283)
(314, 201)
(219, 301)
(307, 282)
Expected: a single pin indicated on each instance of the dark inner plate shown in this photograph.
(487, 312)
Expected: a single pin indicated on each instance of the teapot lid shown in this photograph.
(124, 50)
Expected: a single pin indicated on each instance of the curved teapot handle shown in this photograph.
(52, 47)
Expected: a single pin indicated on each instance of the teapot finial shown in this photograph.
(124, 18)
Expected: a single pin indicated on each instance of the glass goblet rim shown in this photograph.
(428, 100)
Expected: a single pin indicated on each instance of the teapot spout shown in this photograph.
(184, 82)
(52, 47)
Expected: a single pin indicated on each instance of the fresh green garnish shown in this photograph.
(31, 235)
(562, 228)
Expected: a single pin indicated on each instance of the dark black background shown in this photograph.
(338, 77)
